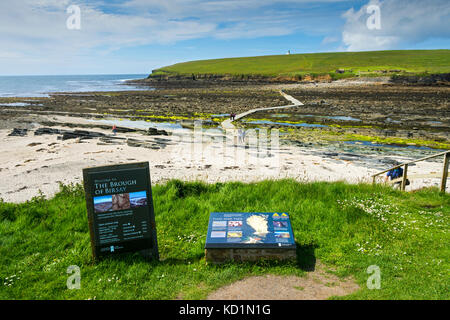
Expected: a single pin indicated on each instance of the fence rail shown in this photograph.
(405, 165)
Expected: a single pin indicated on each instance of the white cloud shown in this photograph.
(330, 39)
(34, 36)
(403, 22)
(147, 21)
(34, 31)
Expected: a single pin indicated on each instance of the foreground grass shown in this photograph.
(346, 227)
(365, 63)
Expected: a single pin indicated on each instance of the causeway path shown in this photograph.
(227, 124)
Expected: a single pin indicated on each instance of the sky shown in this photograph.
(102, 199)
(50, 37)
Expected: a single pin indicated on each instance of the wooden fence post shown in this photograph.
(445, 172)
(405, 172)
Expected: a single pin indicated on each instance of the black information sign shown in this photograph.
(249, 230)
(120, 209)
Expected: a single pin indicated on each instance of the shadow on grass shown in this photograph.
(137, 257)
(306, 258)
(186, 261)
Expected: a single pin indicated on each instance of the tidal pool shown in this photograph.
(341, 118)
(368, 143)
(309, 125)
(140, 124)
(15, 104)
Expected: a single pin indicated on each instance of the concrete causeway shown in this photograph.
(227, 124)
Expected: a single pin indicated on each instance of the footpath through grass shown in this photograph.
(346, 227)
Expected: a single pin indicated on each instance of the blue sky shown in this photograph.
(136, 36)
(138, 195)
(102, 199)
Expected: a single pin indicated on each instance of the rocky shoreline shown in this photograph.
(39, 159)
(403, 114)
(46, 140)
(169, 80)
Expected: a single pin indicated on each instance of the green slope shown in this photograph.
(345, 227)
(371, 62)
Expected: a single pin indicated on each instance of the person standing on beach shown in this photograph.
(241, 134)
(114, 129)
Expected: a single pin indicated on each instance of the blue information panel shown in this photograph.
(249, 230)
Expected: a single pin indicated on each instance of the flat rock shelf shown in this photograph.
(249, 236)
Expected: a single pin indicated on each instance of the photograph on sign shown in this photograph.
(120, 209)
(138, 199)
(121, 201)
(103, 204)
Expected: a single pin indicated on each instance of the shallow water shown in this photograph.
(366, 153)
(368, 143)
(220, 115)
(309, 125)
(15, 104)
(41, 86)
(139, 124)
(392, 121)
(280, 115)
(343, 118)
(435, 122)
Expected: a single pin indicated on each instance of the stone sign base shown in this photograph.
(232, 254)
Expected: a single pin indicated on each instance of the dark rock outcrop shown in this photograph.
(425, 80)
(156, 132)
(18, 132)
(46, 130)
(82, 134)
(142, 144)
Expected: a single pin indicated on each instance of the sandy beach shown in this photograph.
(35, 164)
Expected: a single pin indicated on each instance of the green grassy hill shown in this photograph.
(298, 65)
(346, 227)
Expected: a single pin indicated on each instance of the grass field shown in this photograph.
(345, 227)
(364, 63)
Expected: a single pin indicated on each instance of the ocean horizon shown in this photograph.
(43, 85)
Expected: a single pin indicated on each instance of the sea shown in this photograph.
(42, 86)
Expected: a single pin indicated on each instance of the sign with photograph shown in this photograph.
(249, 230)
(120, 209)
